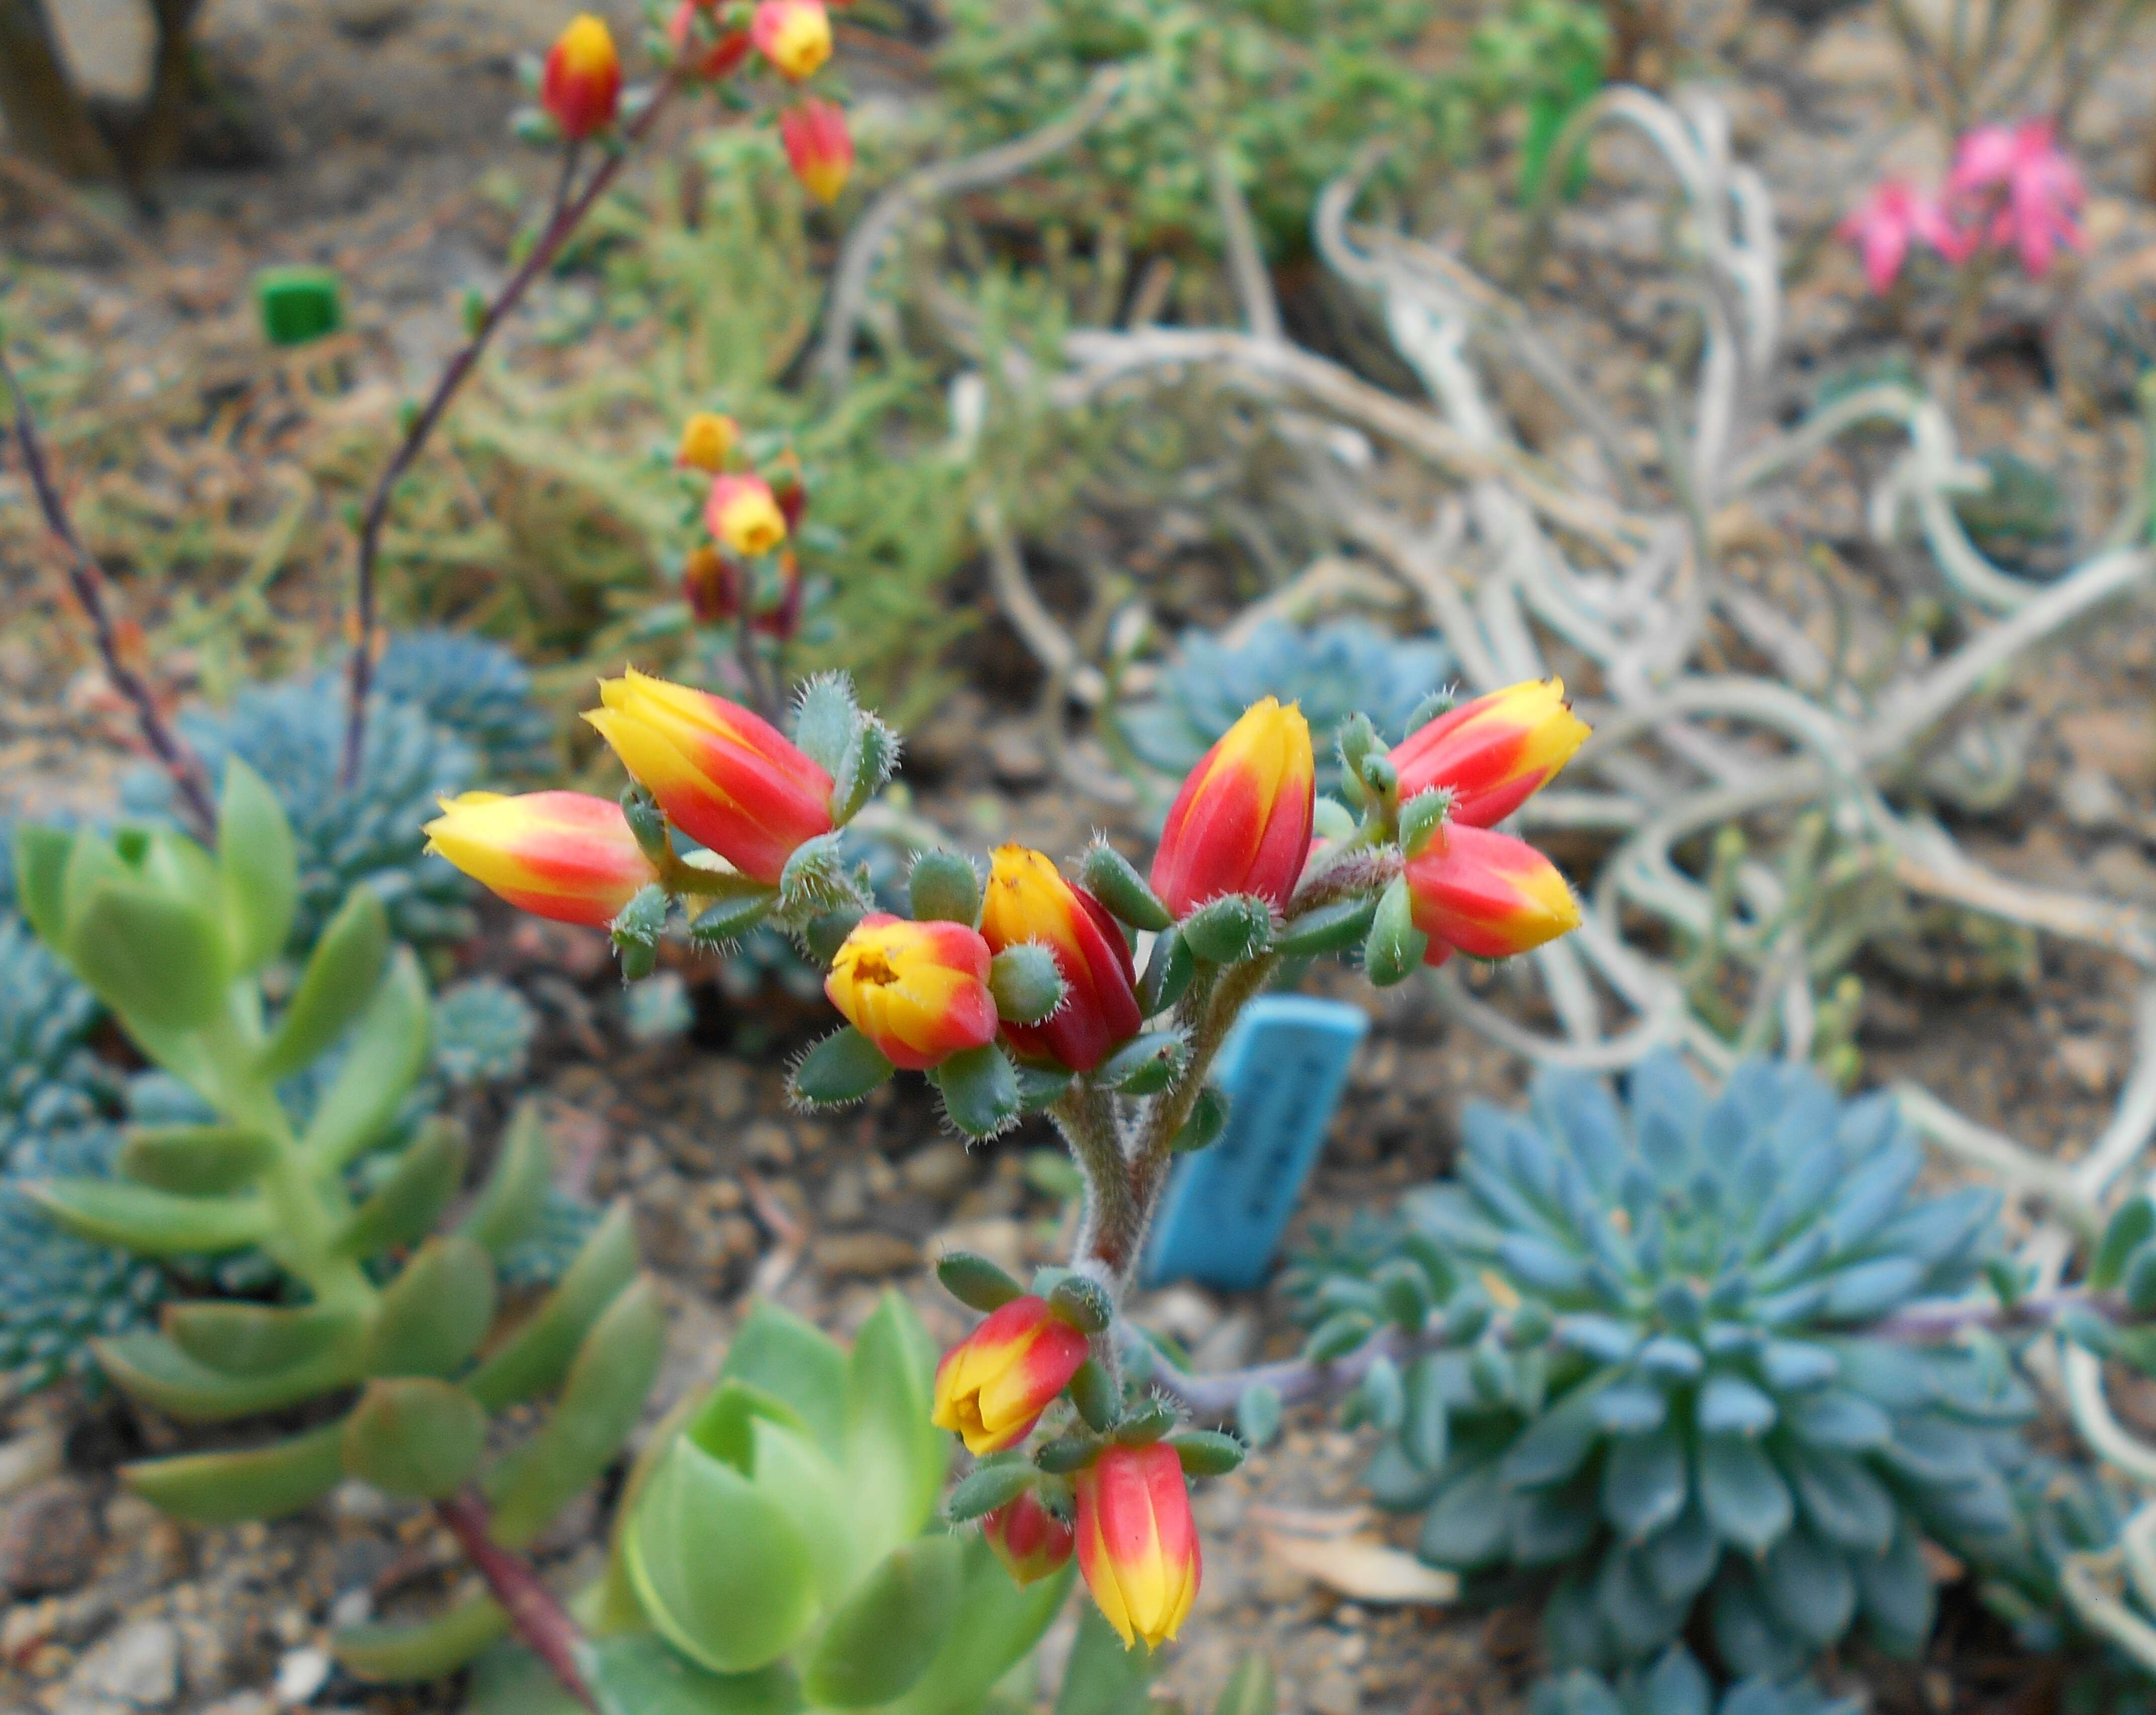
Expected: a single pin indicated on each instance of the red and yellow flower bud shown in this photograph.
(566, 855)
(581, 84)
(1032, 1542)
(1028, 901)
(712, 585)
(819, 147)
(992, 1387)
(918, 991)
(794, 35)
(1488, 895)
(726, 777)
(697, 50)
(1241, 823)
(741, 514)
(787, 487)
(708, 437)
(1138, 1546)
(1492, 753)
(782, 618)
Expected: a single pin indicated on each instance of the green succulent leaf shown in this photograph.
(1144, 1066)
(258, 867)
(943, 886)
(270, 1481)
(842, 1068)
(793, 1361)
(150, 1368)
(980, 1090)
(975, 1281)
(536, 1356)
(1027, 983)
(601, 1402)
(414, 1436)
(881, 1641)
(1230, 929)
(149, 1222)
(41, 864)
(1747, 1501)
(1249, 1688)
(148, 955)
(340, 980)
(2131, 1226)
(1394, 947)
(434, 1315)
(896, 1459)
(511, 1204)
(196, 1161)
(236, 1339)
(429, 1649)
(387, 1054)
(1331, 928)
(997, 1623)
(1111, 878)
(408, 1203)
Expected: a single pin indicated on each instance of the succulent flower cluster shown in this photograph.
(750, 500)
(1027, 993)
(1652, 1348)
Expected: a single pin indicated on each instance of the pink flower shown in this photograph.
(2020, 189)
(1894, 216)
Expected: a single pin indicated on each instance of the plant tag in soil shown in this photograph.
(1227, 1206)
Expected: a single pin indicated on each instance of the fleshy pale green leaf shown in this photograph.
(943, 886)
(539, 1353)
(638, 1675)
(341, 978)
(511, 1204)
(601, 1402)
(150, 956)
(733, 1611)
(385, 1058)
(428, 1649)
(1103, 1678)
(152, 1368)
(435, 1312)
(1747, 1501)
(41, 862)
(795, 1361)
(151, 1222)
(258, 868)
(842, 1068)
(252, 1482)
(237, 1338)
(997, 1623)
(980, 1090)
(196, 1161)
(895, 1458)
(881, 1640)
(405, 1206)
(415, 1437)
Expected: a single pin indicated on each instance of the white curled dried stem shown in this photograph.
(2107, 1437)
(1038, 628)
(2021, 1168)
(2135, 1118)
(1247, 261)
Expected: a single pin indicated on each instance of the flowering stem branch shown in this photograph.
(569, 213)
(539, 1622)
(87, 579)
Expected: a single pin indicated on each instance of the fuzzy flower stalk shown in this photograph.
(1100, 999)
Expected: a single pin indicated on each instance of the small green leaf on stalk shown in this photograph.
(459, 1637)
(196, 1161)
(237, 1338)
(1405, 1294)
(1258, 1415)
(1040, 1087)
(1420, 818)
(1384, 1397)
(976, 1282)
(1110, 877)
(1082, 1302)
(2083, 1326)
(842, 1068)
(1380, 777)
(1096, 1396)
(816, 880)
(1337, 1335)
(647, 822)
(1208, 1119)
(435, 1312)
(1227, 930)
(1356, 741)
(2008, 1280)
(1437, 702)
(149, 1222)
(1395, 946)
(41, 862)
(1331, 928)
(987, 1487)
(1066, 1454)
(945, 887)
(340, 979)
(1146, 1421)
(2132, 1224)
(600, 1403)
(151, 1368)
(405, 1206)
(823, 720)
(270, 1481)
(539, 1353)
(1206, 1452)
(1330, 819)
(382, 1062)
(415, 1437)
(513, 1200)
(151, 957)
(1429, 1256)
(725, 921)
(1145, 1065)
(258, 868)
(979, 1089)
(1027, 983)
(638, 925)
(870, 758)
(1168, 973)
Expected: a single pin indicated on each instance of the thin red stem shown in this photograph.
(87, 579)
(568, 214)
(540, 1623)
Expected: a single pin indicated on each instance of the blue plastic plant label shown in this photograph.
(1226, 1207)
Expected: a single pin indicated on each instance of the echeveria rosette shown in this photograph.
(1664, 1385)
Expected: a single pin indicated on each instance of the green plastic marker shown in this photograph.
(299, 305)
